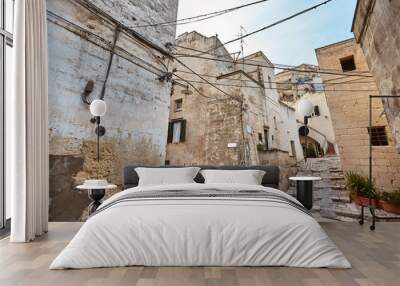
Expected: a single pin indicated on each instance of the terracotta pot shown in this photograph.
(363, 201)
(390, 208)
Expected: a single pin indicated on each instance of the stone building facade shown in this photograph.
(305, 82)
(348, 103)
(376, 27)
(243, 125)
(80, 36)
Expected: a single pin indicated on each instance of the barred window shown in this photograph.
(378, 136)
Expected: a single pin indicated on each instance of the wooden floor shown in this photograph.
(375, 257)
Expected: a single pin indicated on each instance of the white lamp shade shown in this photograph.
(305, 108)
(98, 107)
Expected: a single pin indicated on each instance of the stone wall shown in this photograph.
(212, 120)
(239, 115)
(287, 165)
(376, 27)
(349, 110)
(137, 102)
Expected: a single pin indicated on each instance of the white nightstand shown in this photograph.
(95, 193)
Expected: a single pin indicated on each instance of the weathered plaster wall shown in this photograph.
(377, 28)
(277, 117)
(349, 110)
(137, 103)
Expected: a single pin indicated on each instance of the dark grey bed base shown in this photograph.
(271, 177)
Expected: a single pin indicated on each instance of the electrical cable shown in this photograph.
(276, 65)
(95, 39)
(198, 91)
(202, 17)
(276, 82)
(202, 78)
(277, 88)
(273, 67)
(268, 27)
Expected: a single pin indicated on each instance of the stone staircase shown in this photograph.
(331, 199)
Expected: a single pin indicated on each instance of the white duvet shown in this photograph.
(200, 231)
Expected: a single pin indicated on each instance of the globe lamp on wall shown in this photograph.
(98, 108)
(305, 109)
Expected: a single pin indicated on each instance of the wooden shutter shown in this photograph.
(183, 131)
(170, 132)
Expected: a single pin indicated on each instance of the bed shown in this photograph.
(201, 224)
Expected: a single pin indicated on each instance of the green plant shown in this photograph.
(392, 198)
(360, 186)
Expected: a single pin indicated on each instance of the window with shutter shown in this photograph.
(183, 131)
(316, 110)
(170, 132)
(176, 131)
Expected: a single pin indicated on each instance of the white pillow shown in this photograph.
(248, 177)
(166, 176)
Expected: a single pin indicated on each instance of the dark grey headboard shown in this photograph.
(271, 177)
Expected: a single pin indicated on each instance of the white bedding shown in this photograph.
(200, 231)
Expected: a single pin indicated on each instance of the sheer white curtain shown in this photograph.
(27, 124)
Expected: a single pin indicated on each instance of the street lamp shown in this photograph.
(98, 108)
(305, 108)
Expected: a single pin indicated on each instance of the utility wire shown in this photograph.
(191, 84)
(276, 82)
(96, 39)
(273, 67)
(277, 88)
(268, 27)
(197, 90)
(206, 81)
(277, 66)
(201, 17)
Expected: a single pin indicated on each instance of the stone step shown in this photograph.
(316, 209)
(341, 199)
(333, 170)
(345, 211)
(340, 187)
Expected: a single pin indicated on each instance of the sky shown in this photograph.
(290, 43)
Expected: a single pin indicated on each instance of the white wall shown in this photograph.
(323, 123)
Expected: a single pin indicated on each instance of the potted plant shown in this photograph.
(361, 189)
(390, 202)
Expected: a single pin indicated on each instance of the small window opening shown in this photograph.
(266, 136)
(348, 64)
(378, 136)
(178, 105)
(316, 110)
